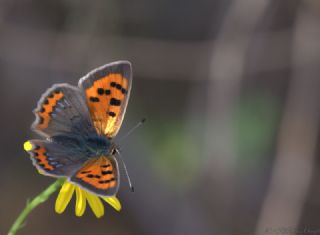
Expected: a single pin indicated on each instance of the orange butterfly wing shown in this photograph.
(107, 91)
(99, 175)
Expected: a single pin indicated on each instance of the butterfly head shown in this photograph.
(114, 149)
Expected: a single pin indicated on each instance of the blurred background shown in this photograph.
(230, 90)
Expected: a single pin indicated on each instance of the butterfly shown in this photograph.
(79, 124)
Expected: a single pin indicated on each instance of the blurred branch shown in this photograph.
(226, 59)
(297, 139)
(226, 70)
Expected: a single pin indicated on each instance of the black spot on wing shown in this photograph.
(124, 91)
(94, 99)
(115, 102)
(106, 181)
(105, 166)
(116, 85)
(106, 172)
(112, 114)
(100, 91)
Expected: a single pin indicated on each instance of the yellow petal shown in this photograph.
(95, 204)
(64, 197)
(80, 202)
(114, 202)
(27, 146)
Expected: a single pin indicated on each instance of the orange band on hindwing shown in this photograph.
(40, 156)
(98, 173)
(39, 153)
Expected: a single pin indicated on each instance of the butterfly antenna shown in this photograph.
(143, 120)
(125, 169)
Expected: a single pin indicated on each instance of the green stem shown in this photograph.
(42, 197)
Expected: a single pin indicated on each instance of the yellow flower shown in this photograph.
(82, 197)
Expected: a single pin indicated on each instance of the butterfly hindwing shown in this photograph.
(62, 109)
(107, 91)
(99, 175)
(54, 159)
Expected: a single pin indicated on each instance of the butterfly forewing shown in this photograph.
(62, 110)
(107, 91)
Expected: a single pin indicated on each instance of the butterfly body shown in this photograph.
(91, 146)
(98, 146)
(79, 124)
